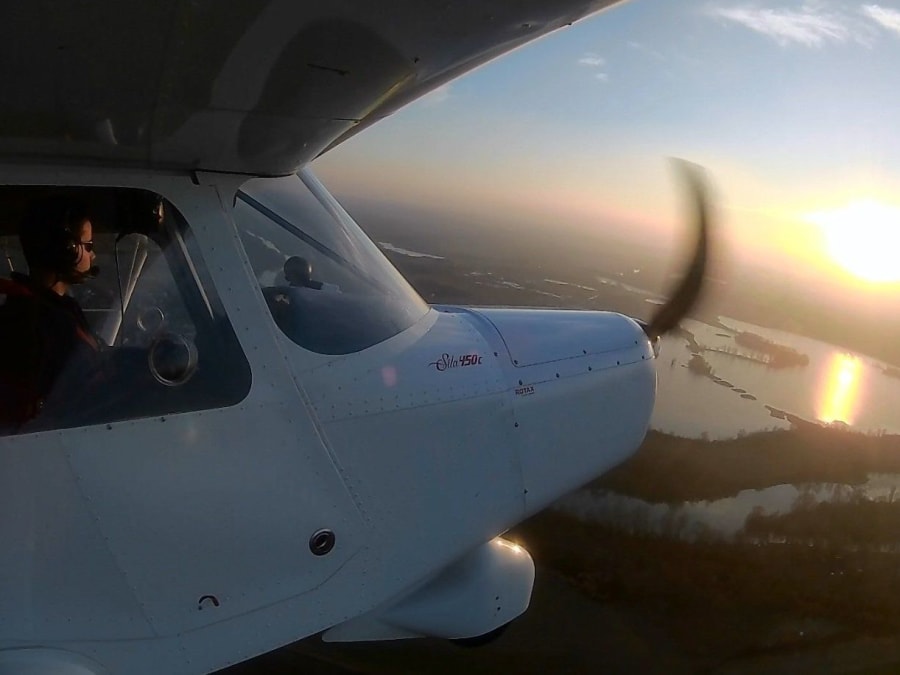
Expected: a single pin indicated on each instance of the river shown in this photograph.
(837, 386)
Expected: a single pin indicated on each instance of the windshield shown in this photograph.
(329, 288)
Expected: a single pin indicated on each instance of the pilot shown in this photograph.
(48, 352)
(298, 273)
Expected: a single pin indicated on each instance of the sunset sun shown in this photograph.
(863, 238)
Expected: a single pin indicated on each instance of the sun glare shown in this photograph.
(863, 238)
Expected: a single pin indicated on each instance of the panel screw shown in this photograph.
(321, 542)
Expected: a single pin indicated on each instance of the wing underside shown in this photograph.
(249, 87)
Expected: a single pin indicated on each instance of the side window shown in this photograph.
(328, 287)
(150, 295)
(114, 321)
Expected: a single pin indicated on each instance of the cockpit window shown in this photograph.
(106, 312)
(328, 287)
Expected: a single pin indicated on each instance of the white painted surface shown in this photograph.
(415, 452)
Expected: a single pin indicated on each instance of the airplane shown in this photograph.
(289, 442)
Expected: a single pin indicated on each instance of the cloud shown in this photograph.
(591, 59)
(810, 26)
(886, 18)
(437, 96)
(595, 61)
(644, 49)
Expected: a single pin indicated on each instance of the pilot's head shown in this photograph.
(297, 271)
(57, 241)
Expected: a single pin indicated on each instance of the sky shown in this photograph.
(791, 107)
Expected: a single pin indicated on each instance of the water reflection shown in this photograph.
(834, 386)
(840, 390)
(719, 518)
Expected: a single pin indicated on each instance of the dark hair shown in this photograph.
(50, 233)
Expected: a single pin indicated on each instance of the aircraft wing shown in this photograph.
(245, 86)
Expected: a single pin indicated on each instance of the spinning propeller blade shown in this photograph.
(686, 294)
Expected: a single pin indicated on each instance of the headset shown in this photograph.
(50, 234)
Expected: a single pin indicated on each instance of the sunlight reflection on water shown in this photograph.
(833, 387)
(840, 390)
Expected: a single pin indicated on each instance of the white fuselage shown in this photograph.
(181, 542)
(306, 446)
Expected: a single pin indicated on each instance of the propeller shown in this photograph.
(689, 290)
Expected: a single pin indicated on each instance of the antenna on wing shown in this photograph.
(686, 294)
